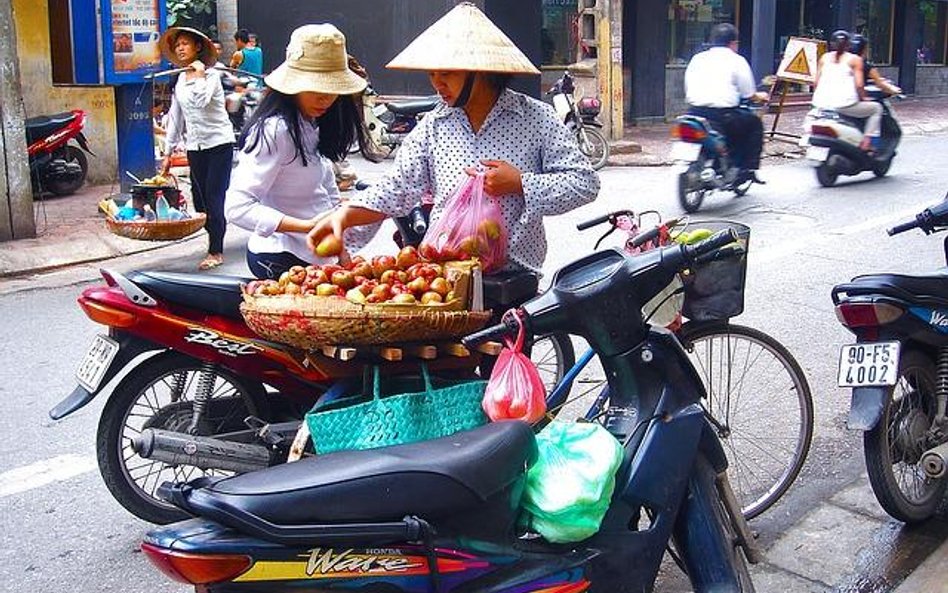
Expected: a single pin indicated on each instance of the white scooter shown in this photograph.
(832, 141)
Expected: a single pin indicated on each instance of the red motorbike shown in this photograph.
(201, 394)
(56, 166)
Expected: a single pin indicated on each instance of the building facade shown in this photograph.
(638, 49)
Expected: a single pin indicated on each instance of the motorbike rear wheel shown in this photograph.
(893, 448)
(70, 154)
(880, 168)
(159, 394)
(594, 145)
(826, 175)
(689, 197)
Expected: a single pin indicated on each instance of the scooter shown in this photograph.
(898, 373)
(442, 515)
(192, 398)
(388, 123)
(56, 166)
(582, 118)
(832, 141)
(241, 100)
(702, 162)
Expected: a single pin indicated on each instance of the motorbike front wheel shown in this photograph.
(894, 447)
(65, 187)
(826, 175)
(594, 145)
(159, 393)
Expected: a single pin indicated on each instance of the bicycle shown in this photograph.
(749, 400)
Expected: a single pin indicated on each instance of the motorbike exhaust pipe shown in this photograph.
(176, 448)
(935, 461)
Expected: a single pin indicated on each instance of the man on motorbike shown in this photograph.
(531, 163)
(717, 80)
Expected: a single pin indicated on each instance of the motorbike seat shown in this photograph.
(413, 108)
(508, 289)
(440, 478)
(219, 295)
(928, 289)
(44, 125)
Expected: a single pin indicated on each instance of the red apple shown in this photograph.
(441, 286)
(362, 269)
(292, 288)
(389, 276)
(430, 297)
(427, 251)
(419, 286)
(331, 269)
(330, 246)
(407, 257)
(326, 289)
(381, 263)
(404, 299)
(383, 291)
(344, 279)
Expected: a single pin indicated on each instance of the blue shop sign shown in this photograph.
(130, 33)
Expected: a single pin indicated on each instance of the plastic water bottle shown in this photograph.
(149, 214)
(162, 208)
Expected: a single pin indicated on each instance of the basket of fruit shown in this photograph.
(156, 230)
(149, 189)
(382, 301)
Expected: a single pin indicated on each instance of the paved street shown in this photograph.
(62, 530)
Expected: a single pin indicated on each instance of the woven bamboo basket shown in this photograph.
(311, 322)
(159, 230)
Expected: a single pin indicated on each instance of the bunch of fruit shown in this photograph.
(691, 237)
(404, 279)
(158, 181)
(486, 240)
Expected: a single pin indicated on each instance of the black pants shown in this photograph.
(742, 128)
(271, 265)
(210, 177)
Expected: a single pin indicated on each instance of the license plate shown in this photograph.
(873, 364)
(685, 151)
(817, 153)
(96, 362)
(804, 140)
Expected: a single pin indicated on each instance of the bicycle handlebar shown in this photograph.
(604, 218)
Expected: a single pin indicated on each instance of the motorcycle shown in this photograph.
(898, 373)
(832, 141)
(211, 396)
(582, 119)
(442, 515)
(388, 123)
(56, 165)
(241, 99)
(702, 162)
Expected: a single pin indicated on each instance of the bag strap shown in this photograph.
(376, 383)
(517, 345)
(427, 377)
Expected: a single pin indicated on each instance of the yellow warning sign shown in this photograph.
(800, 59)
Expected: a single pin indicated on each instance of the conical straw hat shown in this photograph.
(464, 39)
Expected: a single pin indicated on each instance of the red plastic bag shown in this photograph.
(471, 226)
(515, 390)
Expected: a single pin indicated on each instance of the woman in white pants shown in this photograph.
(840, 85)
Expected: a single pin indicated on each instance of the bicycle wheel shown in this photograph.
(759, 401)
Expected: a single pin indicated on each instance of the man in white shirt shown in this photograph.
(716, 81)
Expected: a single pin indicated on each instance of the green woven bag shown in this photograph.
(397, 419)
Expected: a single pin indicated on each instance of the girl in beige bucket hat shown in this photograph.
(284, 180)
(531, 162)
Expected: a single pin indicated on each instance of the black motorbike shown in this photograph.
(833, 141)
(442, 515)
(898, 373)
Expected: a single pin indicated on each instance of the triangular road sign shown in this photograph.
(799, 64)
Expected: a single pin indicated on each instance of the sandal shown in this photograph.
(211, 261)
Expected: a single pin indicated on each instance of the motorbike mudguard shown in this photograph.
(866, 407)
(81, 139)
(129, 347)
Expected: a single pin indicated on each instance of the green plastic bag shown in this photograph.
(570, 486)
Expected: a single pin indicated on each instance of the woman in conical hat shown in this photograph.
(284, 179)
(531, 163)
(198, 116)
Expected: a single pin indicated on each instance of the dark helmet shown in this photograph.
(841, 39)
(858, 44)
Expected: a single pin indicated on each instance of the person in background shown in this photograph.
(859, 46)
(284, 182)
(717, 80)
(248, 58)
(198, 115)
(529, 159)
(840, 85)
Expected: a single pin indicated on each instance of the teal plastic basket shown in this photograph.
(397, 419)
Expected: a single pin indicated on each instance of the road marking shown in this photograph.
(793, 247)
(42, 473)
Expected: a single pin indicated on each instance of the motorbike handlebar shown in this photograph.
(901, 228)
(927, 220)
(604, 218)
(711, 245)
(507, 326)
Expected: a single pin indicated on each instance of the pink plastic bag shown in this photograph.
(515, 390)
(471, 226)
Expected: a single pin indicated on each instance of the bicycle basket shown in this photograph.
(715, 289)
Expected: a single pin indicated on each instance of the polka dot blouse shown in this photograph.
(520, 130)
